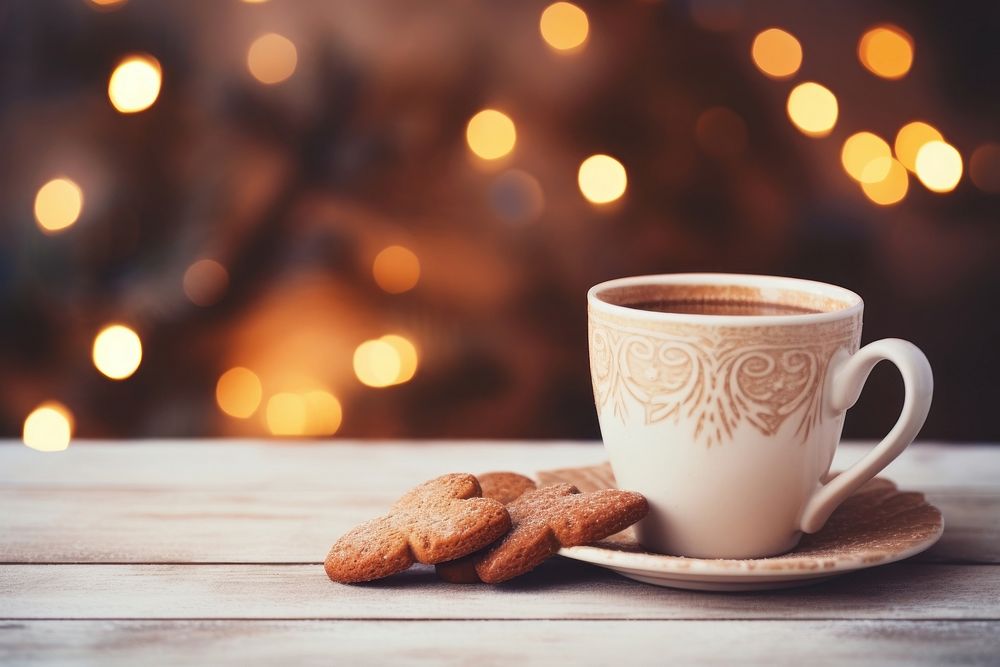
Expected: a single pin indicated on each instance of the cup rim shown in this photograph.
(854, 301)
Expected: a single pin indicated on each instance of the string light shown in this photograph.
(602, 179)
(911, 138)
(491, 134)
(58, 204)
(866, 157)
(324, 413)
(886, 51)
(286, 414)
(135, 83)
(813, 109)
(891, 189)
(205, 281)
(377, 363)
(238, 392)
(396, 269)
(407, 353)
(272, 58)
(117, 351)
(939, 166)
(48, 428)
(776, 53)
(564, 26)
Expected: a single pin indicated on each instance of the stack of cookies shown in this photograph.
(491, 528)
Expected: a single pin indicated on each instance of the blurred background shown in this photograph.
(379, 219)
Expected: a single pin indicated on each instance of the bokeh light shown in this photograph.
(939, 166)
(984, 167)
(324, 413)
(911, 138)
(886, 51)
(602, 179)
(891, 189)
(286, 414)
(408, 357)
(813, 109)
(377, 363)
(48, 428)
(396, 269)
(135, 84)
(776, 53)
(107, 3)
(58, 205)
(205, 281)
(866, 157)
(272, 58)
(117, 351)
(491, 134)
(564, 26)
(517, 197)
(721, 132)
(238, 392)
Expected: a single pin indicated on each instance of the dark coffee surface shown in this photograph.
(721, 307)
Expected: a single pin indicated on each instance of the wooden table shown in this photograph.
(208, 552)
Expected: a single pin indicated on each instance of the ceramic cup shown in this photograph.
(728, 423)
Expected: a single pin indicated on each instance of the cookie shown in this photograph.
(440, 520)
(503, 486)
(553, 517)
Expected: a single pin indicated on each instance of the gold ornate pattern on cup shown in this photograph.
(718, 376)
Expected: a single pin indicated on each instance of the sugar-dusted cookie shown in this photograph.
(503, 486)
(440, 520)
(552, 517)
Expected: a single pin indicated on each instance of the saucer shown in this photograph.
(878, 524)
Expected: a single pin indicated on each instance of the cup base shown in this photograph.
(652, 541)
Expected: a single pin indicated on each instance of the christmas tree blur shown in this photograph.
(380, 219)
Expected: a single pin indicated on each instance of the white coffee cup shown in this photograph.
(727, 422)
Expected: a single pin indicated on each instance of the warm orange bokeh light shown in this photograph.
(396, 269)
(892, 188)
(58, 204)
(911, 138)
(49, 427)
(776, 53)
(407, 353)
(377, 363)
(939, 166)
(602, 179)
(238, 392)
(564, 26)
(117, 351)
(286, 414)
(324, 413)
(866, 157)
(886, 51)
(491, 134)
(813, 109)
(135, 83)
(272, 58)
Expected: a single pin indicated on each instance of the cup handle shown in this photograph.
(847, 381)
